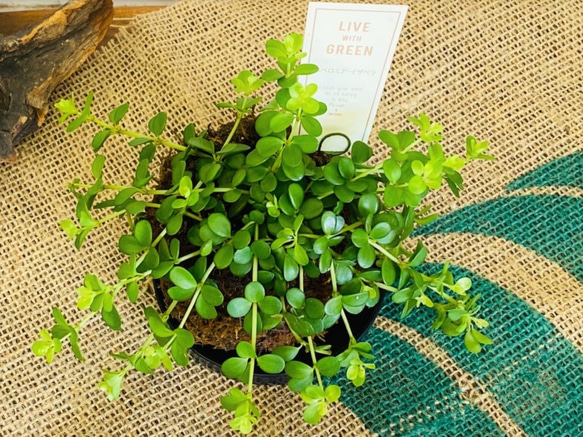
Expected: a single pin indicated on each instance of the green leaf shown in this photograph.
(314, 308)
(418, 256)
(392, 170)
(205, 310)
(133, 291)
(220, 224)
(99, 139)
(182, 278)
(245, 350)
(180, 294)
(368, 204)
(111, 319)
(366, 257)
(359, 238)
(471, 343)
(268, 146)
(298, 370)
(281, 121)
(129, 245)
(156, 324)
(261, 249)
(270, 305)
(238, 307)
(360, 152)
(271, 363)
(307, 143)
(212, 295)
(157, 123)
(389, 272)
(311, 208)
(346, 168)
(295, 297)
(288, 353)
(254, 291)
(143, 233)
(241, 239)
(118, 113)
(300, 255)
(224, 257)
(290, 268)
(296, 195)
(481, 338)
(333, 306)
(328, 366)
(311, 125)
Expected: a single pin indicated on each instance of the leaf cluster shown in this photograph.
(274, 213)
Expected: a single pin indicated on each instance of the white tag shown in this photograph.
(353, 44)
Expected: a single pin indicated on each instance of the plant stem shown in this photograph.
(196, 294)
(386, 253)
(315, 362)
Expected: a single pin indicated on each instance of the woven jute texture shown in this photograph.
(508, 72)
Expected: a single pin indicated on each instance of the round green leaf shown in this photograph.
(268, 146)
(271, 363)
(241, 239)
(368, 204)
(234, 367)
(261, 249)
(359, 238)
(311, 208)
(243, 256)
(238, 307)
(380, 231)
(205, 310)
(245, 350)
(220, 224)
(328, 366)
(388, 271)
(295, 297)
(366, 257)
(182, 278)
(296, 195)
(392, 170)
(298, 370)
(346, 168)
(360, 152)
(270, 305)
(212, 295)
(333, 306)
(224, 256)
(180, 294)
(290, 268)
(254, 291)
(314, 308)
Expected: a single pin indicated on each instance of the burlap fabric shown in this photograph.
(509, 72)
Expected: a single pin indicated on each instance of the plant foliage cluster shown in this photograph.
(269, 212)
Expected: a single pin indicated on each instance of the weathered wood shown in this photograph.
(35, 60)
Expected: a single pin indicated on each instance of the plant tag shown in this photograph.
(353, 44)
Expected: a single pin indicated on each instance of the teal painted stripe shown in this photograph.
(550, 225)
(535, 374)
(404, 383)
(562, 172)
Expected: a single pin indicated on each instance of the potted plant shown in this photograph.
(251, 224)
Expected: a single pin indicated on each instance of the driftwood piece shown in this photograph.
(35, 60)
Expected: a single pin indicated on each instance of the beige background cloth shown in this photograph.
(508, 72)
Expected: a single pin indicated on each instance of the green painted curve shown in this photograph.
(534, 373)
(550, 225)
(562, 172)
(406, 383)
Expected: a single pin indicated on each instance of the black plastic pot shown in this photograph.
(336, 337)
